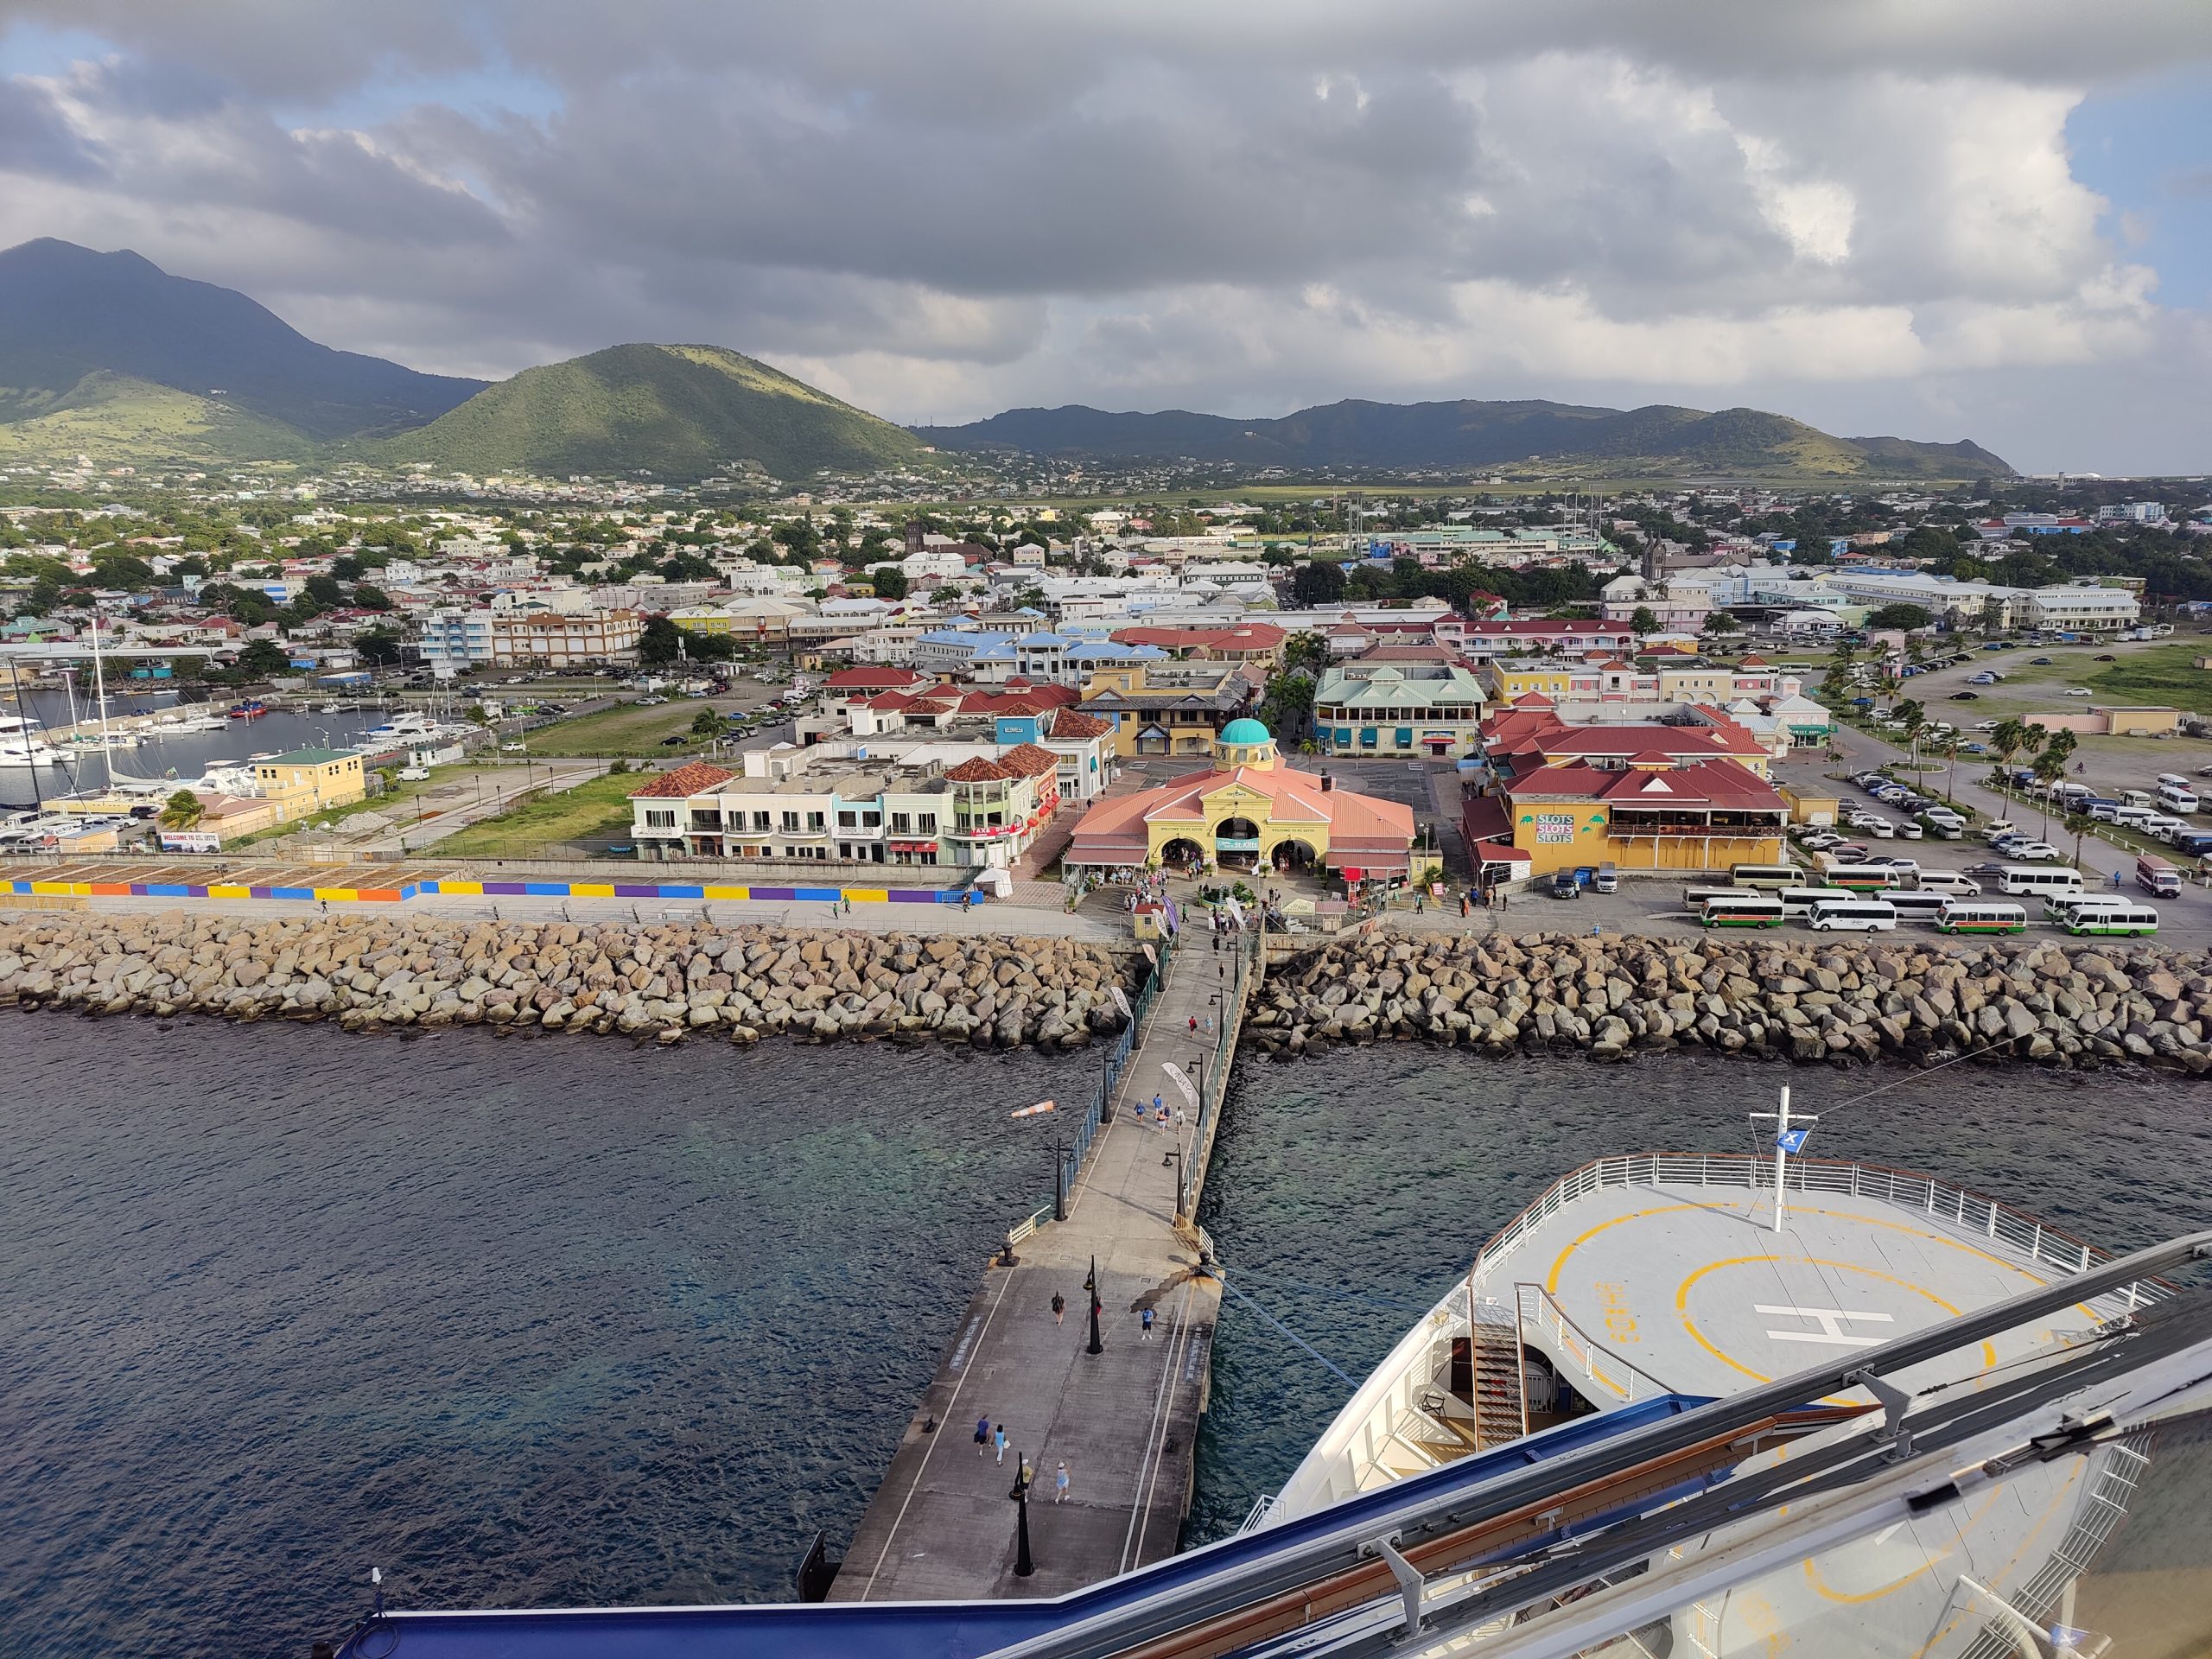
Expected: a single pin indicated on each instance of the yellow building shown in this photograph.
(1250, 812)
(306, 781)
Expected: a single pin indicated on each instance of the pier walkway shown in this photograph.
(1124, 1420)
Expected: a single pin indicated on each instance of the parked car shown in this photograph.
(2079, 691)
(2033, 852)
(414, 774)
(2039, 662)
(1966, 696)
(1910, 832)
(1564, 886)
(2107, 657)
(1822, 841)
(513, 748)
(1991, 726)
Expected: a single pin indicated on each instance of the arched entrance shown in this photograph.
(1182, 853)
(1236, 844)
(1292, 856)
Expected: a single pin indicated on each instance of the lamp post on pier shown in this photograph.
(1092, 1285)
(1023, 1564)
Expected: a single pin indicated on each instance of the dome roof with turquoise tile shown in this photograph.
(1245, 731)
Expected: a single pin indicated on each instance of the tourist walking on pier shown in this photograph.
(998, 1439)
(1060, 1481)
(1060, 1308)
(1146, 1322)
(983, 1435)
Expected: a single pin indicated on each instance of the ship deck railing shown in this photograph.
(1961, 1208)
(1544, 1322)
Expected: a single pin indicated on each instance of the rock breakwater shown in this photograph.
(991, 991)
(1794, 999)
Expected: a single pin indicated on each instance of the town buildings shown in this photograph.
(1250, 812)
(1385, 709)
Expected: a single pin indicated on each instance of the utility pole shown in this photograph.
(1790, 1134)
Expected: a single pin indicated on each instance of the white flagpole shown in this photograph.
(1781, 1156)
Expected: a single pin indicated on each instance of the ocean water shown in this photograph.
(560, 1320)
(1349, 1190)
(526, 1321)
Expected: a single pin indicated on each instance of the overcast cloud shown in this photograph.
(1877, 214)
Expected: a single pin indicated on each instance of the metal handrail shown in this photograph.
(1960, 1206)
(1540, 1311)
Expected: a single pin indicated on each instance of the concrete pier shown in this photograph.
(1124, 1420)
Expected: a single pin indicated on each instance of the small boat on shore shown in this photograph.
(252, 708)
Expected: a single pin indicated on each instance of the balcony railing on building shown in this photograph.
(1629, 824)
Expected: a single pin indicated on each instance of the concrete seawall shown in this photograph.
(1877, 998)
(666, 982)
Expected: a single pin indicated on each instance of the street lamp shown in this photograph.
(1096, 1307)
(1023, 1564)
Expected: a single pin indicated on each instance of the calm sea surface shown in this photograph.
(1349, 1191)
(557, 1321)
(541, 1321)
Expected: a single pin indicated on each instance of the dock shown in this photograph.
(1124, 1419)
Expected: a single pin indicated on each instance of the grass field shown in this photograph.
(2161, 674)
(634, 730)
(598, 810)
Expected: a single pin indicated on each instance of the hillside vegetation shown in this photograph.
(676, 412)
(1658, 440)
(114, 418)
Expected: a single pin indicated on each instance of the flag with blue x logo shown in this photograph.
(1792, 1140)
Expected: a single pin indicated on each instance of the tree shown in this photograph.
(946, 595)
(1722, 622)
(1317, 582)
(2007, 741)
(888, 580)
(1308, 650)
(379, 647)
(261, 659)
(2078, 824)
(1914, 718)
(369, 598)
(706, 723)
(1900, 617)
(182, 811)
(1645, 620)
(659, 642)
(2051, 766)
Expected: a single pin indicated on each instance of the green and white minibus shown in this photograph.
(1741, 910)
(1980, 916)
(2134, 921)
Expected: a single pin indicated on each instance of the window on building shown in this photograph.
(790, 822)
(847, 820)
(761, 821)
(660, 817)
(925, 822)
(817, 820)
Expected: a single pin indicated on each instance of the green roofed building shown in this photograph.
(1432, 710)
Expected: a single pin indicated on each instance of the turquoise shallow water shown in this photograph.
(1348, 1190)
(527, 1321)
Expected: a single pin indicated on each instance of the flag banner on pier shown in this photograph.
(1792, 1140)
(1032, 1111)
(1181, 1080)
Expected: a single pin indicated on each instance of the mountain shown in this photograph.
(1658, 440)
(113, 417)
(678, 412)
(67, 313)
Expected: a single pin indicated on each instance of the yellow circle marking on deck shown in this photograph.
(1996, 1580)
(1939, 1238)
(1551, 1283)
(1826, 1593)
(1682, 1298)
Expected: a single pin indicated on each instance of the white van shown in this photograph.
(2157, 877)
(1861, 915)
(2178, 797)
(2038, 878)
(2173, 780)
(2135, 797)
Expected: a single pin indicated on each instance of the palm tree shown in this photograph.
(1914, 718)
(2050, 767)
(182, 810)
(2009, 737)
(2078, 824)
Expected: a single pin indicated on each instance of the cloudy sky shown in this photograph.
(1943, 218)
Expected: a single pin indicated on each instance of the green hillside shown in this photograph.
(115, 420)
(1570, 440)
(678, 412)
